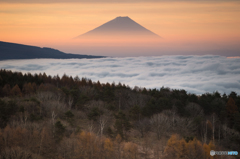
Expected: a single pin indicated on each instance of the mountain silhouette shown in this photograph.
(19, 51)
(120, 27)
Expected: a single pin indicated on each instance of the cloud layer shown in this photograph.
(195, 74)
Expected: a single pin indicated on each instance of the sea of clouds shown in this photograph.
(195, 74)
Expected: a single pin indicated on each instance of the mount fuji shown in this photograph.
(120, 27)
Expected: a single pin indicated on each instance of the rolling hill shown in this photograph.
(19, 51)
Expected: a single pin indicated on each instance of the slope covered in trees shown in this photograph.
(45, 116)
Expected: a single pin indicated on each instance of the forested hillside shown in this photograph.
(66, 117)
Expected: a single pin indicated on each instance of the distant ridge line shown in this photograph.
(19, 51)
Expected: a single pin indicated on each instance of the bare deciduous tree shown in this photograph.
(143, 126)
(213, 125)
(103, 119)
(160, 124)
(53, 117)
(70, 102)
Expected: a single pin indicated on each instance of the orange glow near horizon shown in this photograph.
(236, 57)
(55, 25)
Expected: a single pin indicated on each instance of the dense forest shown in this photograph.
(48, 117)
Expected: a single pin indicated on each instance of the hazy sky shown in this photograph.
(187, 27)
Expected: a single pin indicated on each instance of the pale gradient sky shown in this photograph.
(186, 26)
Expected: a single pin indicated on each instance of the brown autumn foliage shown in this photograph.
(108, 148)
(130, 150)
(16, 91)
(231, 106)
(178, 148)
(29, 88)
(6, 90)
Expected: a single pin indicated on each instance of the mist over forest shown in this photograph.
(195, 74)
